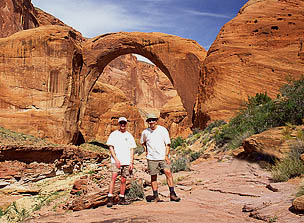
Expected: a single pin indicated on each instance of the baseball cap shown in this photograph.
(151, 116)
(122, 119)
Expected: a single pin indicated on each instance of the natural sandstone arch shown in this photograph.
(47, 73)
(180, 59)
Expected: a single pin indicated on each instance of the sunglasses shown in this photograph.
(152, 120)
(122, 123)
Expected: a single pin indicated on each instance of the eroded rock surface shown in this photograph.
(276, 142)
(253, 53)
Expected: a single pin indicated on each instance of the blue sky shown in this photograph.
(199, 20)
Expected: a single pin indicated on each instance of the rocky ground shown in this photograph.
(221, 189)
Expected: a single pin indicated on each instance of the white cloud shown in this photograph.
(144, 59)
(176, 17)
(95, 18)
(207, 14)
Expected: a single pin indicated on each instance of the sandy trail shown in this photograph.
(214, 191)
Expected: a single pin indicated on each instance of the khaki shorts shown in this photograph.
(156, 166)
(123, 170)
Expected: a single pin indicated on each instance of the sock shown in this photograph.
(155, 193)
(171, 189)
(110, 195)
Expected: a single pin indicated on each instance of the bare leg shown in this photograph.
(123, 185)
(112, 184)
(154, 182)
(169, 177)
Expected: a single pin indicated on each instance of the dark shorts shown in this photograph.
(123, 170)
(156, 166)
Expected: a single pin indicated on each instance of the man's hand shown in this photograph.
(117, 163)
(168, 160)
(131, 166)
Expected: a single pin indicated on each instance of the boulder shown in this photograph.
(298, 203)
(276, 142)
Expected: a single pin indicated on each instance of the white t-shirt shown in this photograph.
(156, 141)
(122, 142)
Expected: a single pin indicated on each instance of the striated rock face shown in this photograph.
(16, 15)
(174, 117)
(255, 52)
(105, 105)
(40, 82)
(145, 87)
(144, 84)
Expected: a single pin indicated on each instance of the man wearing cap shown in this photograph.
(121, 144)
(156, 142)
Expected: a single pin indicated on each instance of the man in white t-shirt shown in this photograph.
(156, 142)
(121, 144)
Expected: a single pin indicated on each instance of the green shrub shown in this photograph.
(291, 166)
(1, 212)
(300, 191)
(290, 107)
(180, 164)
(139, 150)
(262, 113)
(287, 168)
(258, 99)
(216, 123)
(194, 155)
(179, 141)
(135, 192)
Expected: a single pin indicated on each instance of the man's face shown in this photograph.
(122, 125)
(152, 122)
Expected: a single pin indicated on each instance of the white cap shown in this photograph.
(122, 119)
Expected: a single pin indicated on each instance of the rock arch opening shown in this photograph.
(135, 88)
(179, 59)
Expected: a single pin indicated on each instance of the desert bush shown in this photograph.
(261, 113)
(194, 155)
(15, 214)
(15, 138)
(135, 192)
(258, 99)
(95, 146)
(300, 190)
(290, 107)
(216, 123)
(180, 164)
(139, 150)
(176, 142)
(291, 166)
(255, 119)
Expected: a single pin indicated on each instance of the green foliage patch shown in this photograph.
(261, 113)
(291, 166)
(135, 192)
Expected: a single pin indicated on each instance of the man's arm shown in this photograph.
(117, 162)
(145, 148)
(131, 159)
(167, 154)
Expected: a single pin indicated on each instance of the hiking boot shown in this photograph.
(122, 201)
(110, 202)
(173, 197)
(156, 199)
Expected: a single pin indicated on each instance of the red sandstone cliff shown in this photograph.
(255, 52)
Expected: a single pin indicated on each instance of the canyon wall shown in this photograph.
(255, 52)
